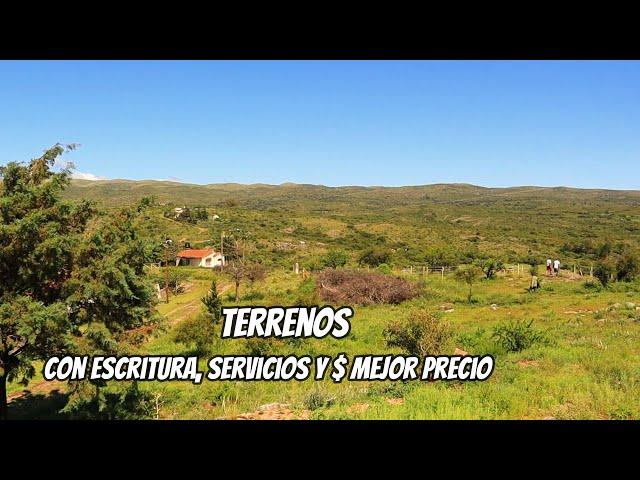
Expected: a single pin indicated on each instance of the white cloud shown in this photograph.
(86, 176)
(169, 179)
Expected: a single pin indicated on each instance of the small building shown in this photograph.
(206, 257)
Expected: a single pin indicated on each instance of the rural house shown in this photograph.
(206, 257)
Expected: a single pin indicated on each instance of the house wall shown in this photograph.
(211, 261)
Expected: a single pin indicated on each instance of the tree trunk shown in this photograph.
(237, 291)
(3, 397)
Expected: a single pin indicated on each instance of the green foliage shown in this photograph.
(375, 256)
(627, 267)
(490, 266)
(518, 335)
(213, 303)
(468, 274)
(384, 268)
(334, 259)
(423, 333)
(258, 347)
(307, 293)
(317, 399)
(198, 331)
(603, 271)
(63, 267)
(120, 401)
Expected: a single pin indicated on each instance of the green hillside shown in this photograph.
(441, 223)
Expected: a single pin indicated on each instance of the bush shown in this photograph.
(422, 334)
(384, 268)
(627, 267)
(468, 274)
(347, 287)
(516, 336)
(490, 266)
(255, 272)
(603, 271)
(317, 399)
(334, 259)
(260, 347)
(121, 401)
(375, 257)
(591, 285)
(198, 331)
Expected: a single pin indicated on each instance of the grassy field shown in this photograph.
(586, 364)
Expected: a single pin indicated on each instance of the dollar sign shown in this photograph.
(339, 371)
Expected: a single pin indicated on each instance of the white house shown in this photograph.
(206, 257)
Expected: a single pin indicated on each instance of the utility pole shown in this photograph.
(167, 242)
(222, 250)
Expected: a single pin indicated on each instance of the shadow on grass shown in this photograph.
(39, 406)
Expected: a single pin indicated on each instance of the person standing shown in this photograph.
(556, 266)
(548, 266)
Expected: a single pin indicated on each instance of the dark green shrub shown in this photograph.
(469, 274)
(199, 332)
(384, 268)
(421, 334)
(375, 256)
(627, 267)
(603, 271)
(515, 336)
(334, 259)
(260, 347)
(490, 266)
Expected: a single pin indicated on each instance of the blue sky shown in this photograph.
(496, 123)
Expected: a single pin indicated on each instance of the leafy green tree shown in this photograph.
(627, 267)
(375, 256)
(469, 274)
(37, 239)
(603, 271)
(490, 266)
(334, 259)
(56, 274)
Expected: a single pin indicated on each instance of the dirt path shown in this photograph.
(43, 387)
(185, 310)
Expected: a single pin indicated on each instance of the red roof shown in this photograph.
(195, 253)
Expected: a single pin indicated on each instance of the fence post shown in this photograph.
(297, 268)
(591, 271)
(443, 272)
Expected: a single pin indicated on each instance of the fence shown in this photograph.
(517, 269)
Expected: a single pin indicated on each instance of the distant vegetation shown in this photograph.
(430, 225)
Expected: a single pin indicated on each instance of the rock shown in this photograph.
(630, 305)
(459, 351)
(447, 307)
(615, 306)
(494, 306)
(395, 401)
